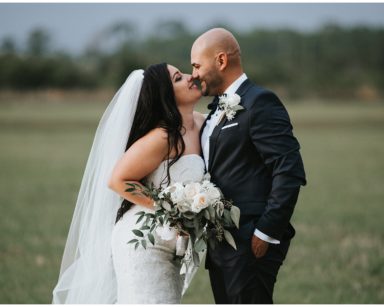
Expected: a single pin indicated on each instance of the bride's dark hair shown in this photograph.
(156, 107)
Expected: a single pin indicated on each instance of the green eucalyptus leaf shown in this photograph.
(229, 238)
(138, 233)
(151, 238)
(227, 217)
(150, 215)
(237, 108)
(212, 213)
(189, 215)
(199, 232)
(132, 241)
(207, 215)
(137, 245)
(196, 258)
(144, 244)
(139, 219)
(166, 206)
(235, 215)
(200, 245)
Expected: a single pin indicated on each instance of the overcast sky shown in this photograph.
(73, 25)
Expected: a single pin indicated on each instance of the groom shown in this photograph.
(255, 160)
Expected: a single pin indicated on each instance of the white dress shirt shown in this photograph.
(208, 129)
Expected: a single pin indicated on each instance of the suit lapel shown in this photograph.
(213, 139)
(243, 89)
(217, 130)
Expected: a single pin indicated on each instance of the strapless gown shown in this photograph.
(151, 276)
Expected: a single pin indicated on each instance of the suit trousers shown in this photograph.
(244, 279)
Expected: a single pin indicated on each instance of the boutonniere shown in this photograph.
(230, 104)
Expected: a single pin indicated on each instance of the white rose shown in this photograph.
(191, 189)
(183, 206)
(177, 192)
(206, 184)
(230, 104)
(166, 233)
(233, 100)
(200, 201)
(213, 193)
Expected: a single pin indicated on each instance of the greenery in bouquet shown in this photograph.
(195, 209)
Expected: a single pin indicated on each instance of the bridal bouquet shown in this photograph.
(196, 210)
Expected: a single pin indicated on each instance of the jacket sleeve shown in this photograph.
(271, 134)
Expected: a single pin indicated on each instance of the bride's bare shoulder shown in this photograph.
(155, 140)
(158, 133)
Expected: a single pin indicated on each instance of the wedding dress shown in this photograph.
(88, 268)
(151, 275)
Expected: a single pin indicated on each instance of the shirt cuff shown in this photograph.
(265, 238)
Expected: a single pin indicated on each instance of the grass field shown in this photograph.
(336, 257)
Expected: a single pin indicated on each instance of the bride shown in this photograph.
(148, 134)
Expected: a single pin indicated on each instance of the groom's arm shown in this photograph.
(271, 133)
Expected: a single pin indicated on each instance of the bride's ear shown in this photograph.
(222, 61)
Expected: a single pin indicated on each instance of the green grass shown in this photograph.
(336, 257)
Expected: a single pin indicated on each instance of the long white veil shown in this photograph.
(86, 274)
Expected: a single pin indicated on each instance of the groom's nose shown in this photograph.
(194, 75)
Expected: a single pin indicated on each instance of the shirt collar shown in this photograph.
(235, 85)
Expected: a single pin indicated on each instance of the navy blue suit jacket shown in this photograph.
(256, 162)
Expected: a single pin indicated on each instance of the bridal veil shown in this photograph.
(86, 274)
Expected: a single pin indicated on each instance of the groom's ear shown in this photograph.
(222, 60)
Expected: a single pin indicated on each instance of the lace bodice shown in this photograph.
(188, 168)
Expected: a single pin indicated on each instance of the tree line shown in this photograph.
(331, 62)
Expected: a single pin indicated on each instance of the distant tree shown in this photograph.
(170, 30)
(8, 45)
(112, 38)
(123, 31)
(331, 62)
(38, 42)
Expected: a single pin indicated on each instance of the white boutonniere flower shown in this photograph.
(230, 104)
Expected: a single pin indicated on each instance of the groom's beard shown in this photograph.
(210, 84)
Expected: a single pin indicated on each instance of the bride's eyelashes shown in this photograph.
(178, 78)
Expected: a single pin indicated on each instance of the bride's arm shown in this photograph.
(141, 159)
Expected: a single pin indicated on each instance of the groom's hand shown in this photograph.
(259, 247)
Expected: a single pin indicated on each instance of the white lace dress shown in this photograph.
(151, 276)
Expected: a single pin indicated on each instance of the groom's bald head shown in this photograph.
(219, 40)
(216, 61)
